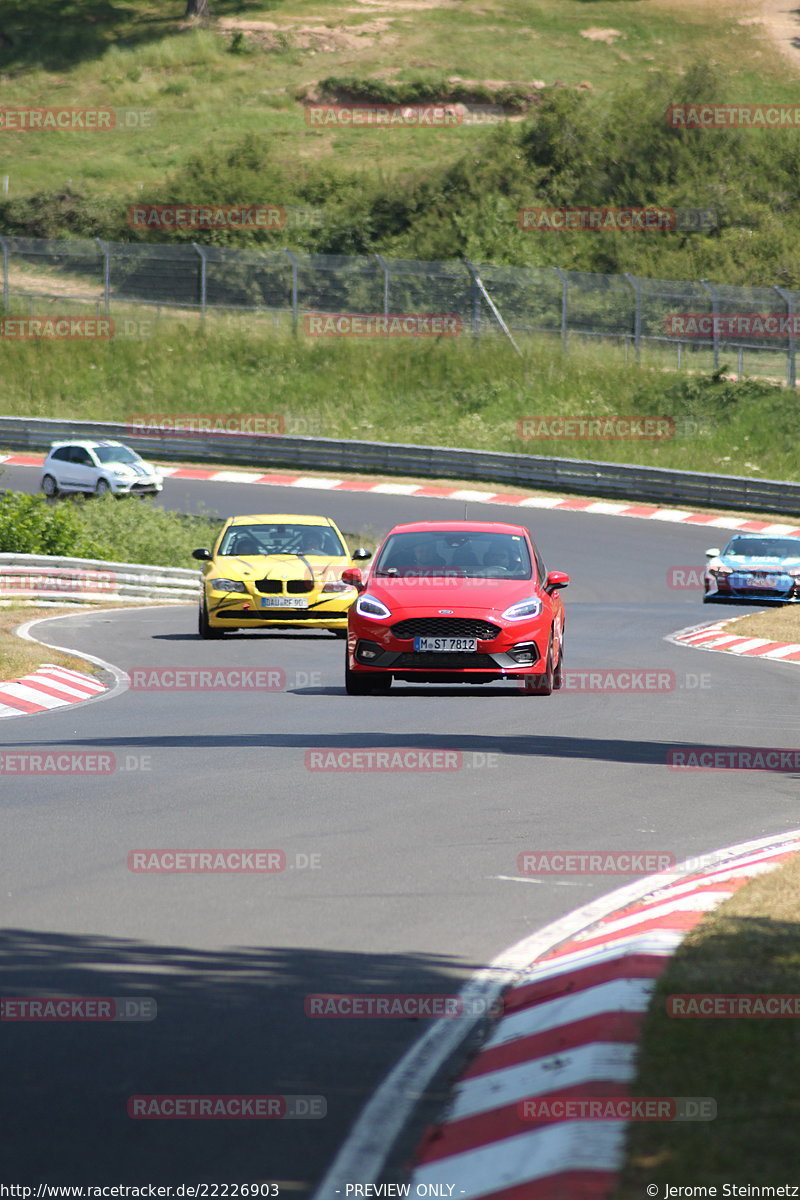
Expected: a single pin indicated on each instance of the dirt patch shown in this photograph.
(781, 20)
(403, 5)
(43, 283)
(609, 36)
(267, 35)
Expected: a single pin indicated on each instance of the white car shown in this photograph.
(96, 468)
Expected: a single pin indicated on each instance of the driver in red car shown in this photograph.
(424, 555)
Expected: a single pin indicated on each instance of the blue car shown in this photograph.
(754, 567)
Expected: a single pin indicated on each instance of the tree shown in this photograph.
(196, 8)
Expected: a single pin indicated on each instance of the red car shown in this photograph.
(456, 602)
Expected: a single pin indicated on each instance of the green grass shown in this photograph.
(750, 945)
(18, 657)
(127, 530)
(140, 54)
(469, 394)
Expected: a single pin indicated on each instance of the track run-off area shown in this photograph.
(395, 882)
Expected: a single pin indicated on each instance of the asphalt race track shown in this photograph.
(417, 883)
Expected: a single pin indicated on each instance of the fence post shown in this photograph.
(6, 297)
(475, 301)
(385, 267)
(473, 270)
(203, 283)
(293, 260)
(714, 294)
(791, 364)
(106, 274)
(637, 314)
(562, 275)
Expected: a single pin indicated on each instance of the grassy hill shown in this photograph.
(562, 103)
(577, 92)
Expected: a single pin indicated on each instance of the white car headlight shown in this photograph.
(370, 606)
(337, 587)
(227, 585)
(531, 607)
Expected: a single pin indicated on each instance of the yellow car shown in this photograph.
(278, 571)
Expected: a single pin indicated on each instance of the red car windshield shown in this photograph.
(472, 555)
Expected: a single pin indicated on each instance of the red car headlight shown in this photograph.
(524, 609)
(370, 606)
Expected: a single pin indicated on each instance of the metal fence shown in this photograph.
(623, 309)
(617, 481)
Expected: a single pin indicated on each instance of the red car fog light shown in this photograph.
(367, 651)
(525, 653)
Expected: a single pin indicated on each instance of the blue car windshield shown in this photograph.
(769, 547)
(471, 555)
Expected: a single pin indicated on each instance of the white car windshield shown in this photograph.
(115, 454)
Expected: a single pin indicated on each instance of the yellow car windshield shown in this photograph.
(282, 539)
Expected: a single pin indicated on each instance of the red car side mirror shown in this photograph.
(555, 580)
(352, 575)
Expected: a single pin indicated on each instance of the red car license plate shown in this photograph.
(445, 645)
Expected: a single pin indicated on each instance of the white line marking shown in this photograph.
(365, 1150)
(613, 1062)
(617, 995)
(750, 644)
(397, 489)
(541, 502)
(655, 943)
(237, 476)
(607, 507)
(568, 1145)
(702, 902)
(17, 690)
(477, 497)
(307, 482)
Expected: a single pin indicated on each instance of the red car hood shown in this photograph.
(429, 595)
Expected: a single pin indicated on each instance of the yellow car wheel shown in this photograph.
(204, 628)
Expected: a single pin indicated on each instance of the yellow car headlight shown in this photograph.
(227, 585)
